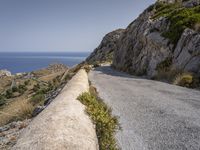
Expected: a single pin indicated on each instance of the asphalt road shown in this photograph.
(153, 115)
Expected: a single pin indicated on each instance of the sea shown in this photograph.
(18, 62)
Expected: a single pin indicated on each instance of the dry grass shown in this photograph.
(19, 109)
(168, 76)
(50, 77)
(5, 83)
(185, 80)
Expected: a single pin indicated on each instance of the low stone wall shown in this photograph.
(63, 125)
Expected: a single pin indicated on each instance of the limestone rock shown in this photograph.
(10, 133)
(4, 73)
(191, 3)
(142, 47)
(187, 52)
(104, 52)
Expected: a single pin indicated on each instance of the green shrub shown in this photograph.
(38, 99)
(2, 100)
(9, 93)
(22, 89)
(14, 89)
(27, 82)
(106, 124)
(179, 17)
(69, 76)
(36, 87)
(50, 86)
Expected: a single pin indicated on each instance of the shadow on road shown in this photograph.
(110, 71)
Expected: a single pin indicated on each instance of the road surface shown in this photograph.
(153, 115)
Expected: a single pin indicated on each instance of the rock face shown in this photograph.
(104, 52)
(142, 47)
(187, 52)
(140, 50)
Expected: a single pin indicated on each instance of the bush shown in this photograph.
(96, 64)
(106, 124)
(68, 76)
(2, 100)
(186, 80)
(180, 18)
(14, 89)
(38, 99)
(9, 93)
(25, 110)
(27, 82)
(50, 86)
(22, 89)
(36, 87)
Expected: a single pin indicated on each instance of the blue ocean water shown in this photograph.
(26, 62)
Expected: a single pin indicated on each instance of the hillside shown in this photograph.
(104, 52)
(24, 95)
(162, 42)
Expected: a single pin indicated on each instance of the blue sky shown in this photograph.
(63, 25)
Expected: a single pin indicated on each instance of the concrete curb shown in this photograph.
(63, 125)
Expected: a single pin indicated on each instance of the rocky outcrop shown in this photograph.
(104, 52)
(187, 52)
(10, 133)
(139, 49)
(191, 3)
(142, 46)
(5, 73)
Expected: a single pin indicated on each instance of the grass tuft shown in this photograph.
(106, 124)
(186, 80)
(18, 110)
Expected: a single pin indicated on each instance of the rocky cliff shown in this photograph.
(164, 37)
(104, 52)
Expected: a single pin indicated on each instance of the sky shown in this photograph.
(62, 25)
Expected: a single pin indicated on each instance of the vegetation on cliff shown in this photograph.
(179, 17)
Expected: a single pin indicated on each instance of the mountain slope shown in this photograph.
(104, 52)
(164, 36)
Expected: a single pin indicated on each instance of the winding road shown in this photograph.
(153, 115)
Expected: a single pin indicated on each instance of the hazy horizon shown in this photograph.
(62, 25)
